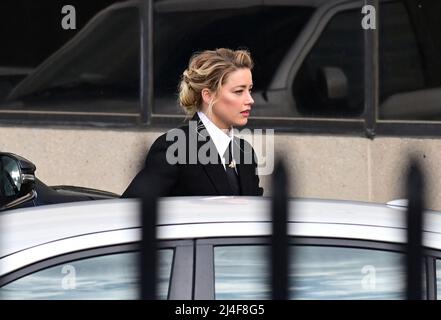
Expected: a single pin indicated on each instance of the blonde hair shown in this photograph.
(209, 69)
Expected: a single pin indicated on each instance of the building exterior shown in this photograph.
(351, 88)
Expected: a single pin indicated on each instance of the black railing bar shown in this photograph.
(414, 252)
(148, 256)
(279, 238)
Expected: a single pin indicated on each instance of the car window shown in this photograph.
(410, 68)
(267, 31)
(113, 276)
(330, 81)
(90, 69)
(347, 273)
(241, 272)
(315, 272)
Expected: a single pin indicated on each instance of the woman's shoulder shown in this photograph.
(171, 136)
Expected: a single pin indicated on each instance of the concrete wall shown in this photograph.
(333, 167)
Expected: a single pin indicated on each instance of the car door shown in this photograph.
(319, 269)
(102, 273)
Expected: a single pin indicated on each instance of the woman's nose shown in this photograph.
(249, 99)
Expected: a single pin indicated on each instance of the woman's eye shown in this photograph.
(238, 92)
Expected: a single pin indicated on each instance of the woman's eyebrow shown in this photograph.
(242, 86)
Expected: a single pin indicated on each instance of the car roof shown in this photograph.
(42, 232)
(26, 227)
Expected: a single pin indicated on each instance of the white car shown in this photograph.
(211, 248)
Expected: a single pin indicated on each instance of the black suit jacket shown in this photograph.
(191, 175)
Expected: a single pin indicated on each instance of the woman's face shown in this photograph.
(233, 101)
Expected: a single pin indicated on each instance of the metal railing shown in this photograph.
(282, 253)
(149, 248)
(279, 238)
(415, 219)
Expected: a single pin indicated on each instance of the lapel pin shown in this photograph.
(232, 164)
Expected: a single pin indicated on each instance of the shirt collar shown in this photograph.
(220, 139)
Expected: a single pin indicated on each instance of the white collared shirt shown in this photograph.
(220, 139)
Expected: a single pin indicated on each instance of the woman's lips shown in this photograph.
(245, 113)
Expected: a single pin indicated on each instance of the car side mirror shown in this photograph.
(332, 83)
(17, 180)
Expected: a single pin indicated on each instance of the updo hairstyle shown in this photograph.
(209, 69)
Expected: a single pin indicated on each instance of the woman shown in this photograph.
(203, 157)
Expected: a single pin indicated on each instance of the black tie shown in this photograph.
(230, 165)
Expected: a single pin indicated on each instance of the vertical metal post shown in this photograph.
(148, 256)
(279, 240)
(146, 60)
(414, 257)
(371, 73)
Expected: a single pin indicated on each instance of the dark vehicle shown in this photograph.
(309, 58)
(20, 188)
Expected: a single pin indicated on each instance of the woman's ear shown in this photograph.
(207, 96)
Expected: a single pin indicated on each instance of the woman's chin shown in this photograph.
(241, 122)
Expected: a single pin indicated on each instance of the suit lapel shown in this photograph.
(215, 171)
(218, 178)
